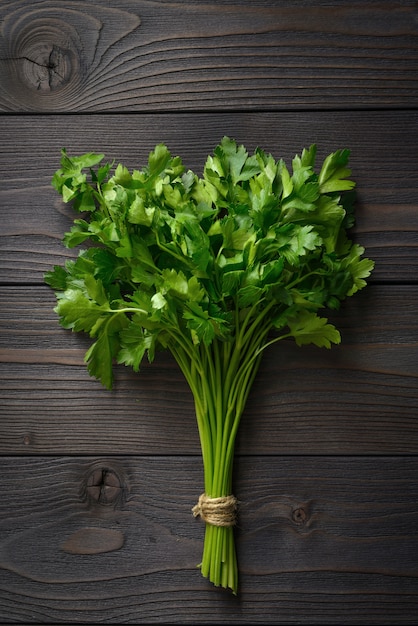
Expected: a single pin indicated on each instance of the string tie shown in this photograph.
(220, 511)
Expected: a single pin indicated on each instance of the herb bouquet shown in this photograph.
(214, 269)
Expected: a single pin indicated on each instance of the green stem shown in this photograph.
(220, 376)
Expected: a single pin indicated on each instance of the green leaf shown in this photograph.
(70, 181)
(124, 249)
(177, 284)
(99, 357)
(272, 271)
(79, 233)
(334, 172)
(107, 267)
(77, 311)
(359, 268)
(240, 166)
(69, 193)
(296, 241)
(135, 343)
(122, 176)
(286, 179)
(101, 174)
(231, 281)
(95, 290)
(158, 160)
(139, 213)
(249, 294)
(158, 301)
(307, 327)
(57, 278)
(71, 165)
(199, 323)
(85, 201)
(308, 156)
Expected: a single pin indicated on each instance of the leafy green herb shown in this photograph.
(214, 269)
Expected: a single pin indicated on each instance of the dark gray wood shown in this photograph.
(319, 540)
(97, 487)
(137, 55)
(359, 397)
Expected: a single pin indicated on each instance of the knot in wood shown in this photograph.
(221, 511)
(299, 515)
(103, 486)
(49, 51)
(44, 53)
(46, 67)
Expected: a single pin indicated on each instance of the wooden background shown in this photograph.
(96, 487)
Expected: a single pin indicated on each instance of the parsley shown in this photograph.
(214, 269)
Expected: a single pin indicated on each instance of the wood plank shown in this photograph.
(34, 219)
(141, 55)
(321, 540)
(359, 397)
(326, 463)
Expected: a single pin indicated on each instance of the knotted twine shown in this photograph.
(220, 511)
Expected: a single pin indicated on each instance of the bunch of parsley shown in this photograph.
(214, 269)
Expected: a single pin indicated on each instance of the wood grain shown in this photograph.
(295, 516)
(359, 397)
(97, 487)
(152, 55)
(382, 161)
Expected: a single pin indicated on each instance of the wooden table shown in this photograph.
(97, 486)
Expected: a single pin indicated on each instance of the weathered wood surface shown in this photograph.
(360, 396)
(136, 55)
(321, 541)
(96, 486)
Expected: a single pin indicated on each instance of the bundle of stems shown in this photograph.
(220, 377)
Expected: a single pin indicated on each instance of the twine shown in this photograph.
(220, 511)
